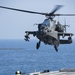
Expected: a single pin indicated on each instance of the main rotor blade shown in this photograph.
(23, 10)
(46, 14)
(55, 9)
(64, 15)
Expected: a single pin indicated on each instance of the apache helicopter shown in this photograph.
(48, 32)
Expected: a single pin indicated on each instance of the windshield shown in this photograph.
(46, 22)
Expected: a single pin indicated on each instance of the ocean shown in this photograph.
(23, 56)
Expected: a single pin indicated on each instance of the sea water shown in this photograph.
(23, 56)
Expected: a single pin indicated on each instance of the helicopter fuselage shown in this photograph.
(47, 36)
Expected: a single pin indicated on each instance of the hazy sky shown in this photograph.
(13, 24)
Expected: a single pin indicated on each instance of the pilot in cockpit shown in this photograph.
(46, 22)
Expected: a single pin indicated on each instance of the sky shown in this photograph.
(13, 24)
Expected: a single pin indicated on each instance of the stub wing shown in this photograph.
(28, 33)
(68, 41)
(31, 32)
(65, 34)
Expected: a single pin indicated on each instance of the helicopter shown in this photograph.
(49, 32)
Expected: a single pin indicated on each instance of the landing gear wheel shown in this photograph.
(56, 48)
(38, 45)
(56, 43)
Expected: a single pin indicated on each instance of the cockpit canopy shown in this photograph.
(46, 22)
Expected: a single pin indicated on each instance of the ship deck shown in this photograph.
(59, 72)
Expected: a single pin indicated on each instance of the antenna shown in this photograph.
(58, 20)
(65, 24)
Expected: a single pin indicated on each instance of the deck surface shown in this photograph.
(58, 73)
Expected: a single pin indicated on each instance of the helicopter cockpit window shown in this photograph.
(46, 22)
